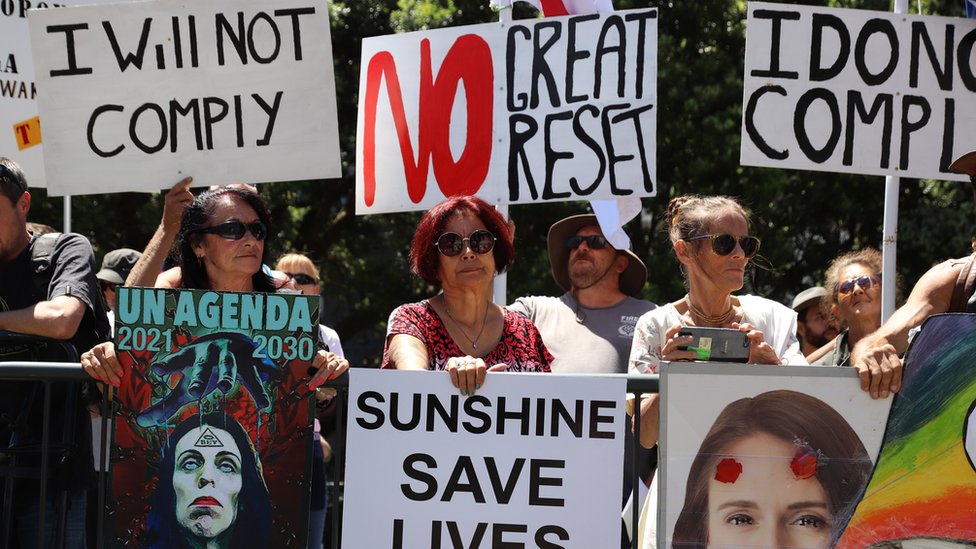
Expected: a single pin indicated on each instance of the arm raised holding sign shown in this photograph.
(460, 245)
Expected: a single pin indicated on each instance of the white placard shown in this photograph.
(696, 399)
(561, 108)
(531, 460)
(136, 96)
(856, 91)
(20, 135)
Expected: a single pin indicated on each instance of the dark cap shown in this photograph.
(631, 280)
(117, 264)
(808, 297)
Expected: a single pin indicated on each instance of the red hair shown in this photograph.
(424, 256)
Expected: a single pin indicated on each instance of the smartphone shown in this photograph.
(717, 344)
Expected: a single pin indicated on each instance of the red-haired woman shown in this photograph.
(460, 245)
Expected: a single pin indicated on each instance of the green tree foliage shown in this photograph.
(804, 218)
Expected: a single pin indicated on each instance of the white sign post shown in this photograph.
(531, 460)
(136, 96)
(561, 108)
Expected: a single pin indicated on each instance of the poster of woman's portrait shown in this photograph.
(762, 456)
(213, 437)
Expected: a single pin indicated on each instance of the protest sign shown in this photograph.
(749, 450)
(923, 490)
(562, 108)
(135, 96)
(531, 460)
(855, 91)
(20, 129)
(213, 440)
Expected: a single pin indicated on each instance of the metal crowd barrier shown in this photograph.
(14, 474)
(54, 372)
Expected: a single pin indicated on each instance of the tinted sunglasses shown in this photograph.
(302, 278)
(866, 282)
(452, 244)
(593, 241)
(724, 244)
(235, 230)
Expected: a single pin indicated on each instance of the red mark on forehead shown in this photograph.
(805, 462)
(728, 470)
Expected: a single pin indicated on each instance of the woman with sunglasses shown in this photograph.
(711, 240)
(460, 245)
(854, 297)
(219, 245)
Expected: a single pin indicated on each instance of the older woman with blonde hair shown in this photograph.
(711, 240)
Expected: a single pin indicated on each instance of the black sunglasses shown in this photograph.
(724, 244)
(302, 278)
(593, 241)
(866, 282)
(235, 230)
(452, 244)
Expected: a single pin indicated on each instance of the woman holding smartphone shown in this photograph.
(711, 240)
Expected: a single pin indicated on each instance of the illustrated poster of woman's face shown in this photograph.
(764, 503)
(207, 481)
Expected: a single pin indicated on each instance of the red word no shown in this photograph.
(469, 59)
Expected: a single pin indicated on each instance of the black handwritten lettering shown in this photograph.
(134, 121)
(777, 17)
(129, 58)
(908, 127)
(820, 22)
(573, 55)
(855, 106)
(69, 44)
(540, 66)
(750, 123)
(799, 124)
(616, 24)
(920, 35)
(91, 131)
(296, 29)
(872, 27)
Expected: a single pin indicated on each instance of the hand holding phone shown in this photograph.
(716, 344)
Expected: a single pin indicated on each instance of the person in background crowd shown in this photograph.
(589, 329)
(815, 326)
(68, 308)
(460, 245)
(711, 240)
(116, 266)
(854, 280)
(305, 276)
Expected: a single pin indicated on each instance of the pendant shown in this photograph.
(474, 345)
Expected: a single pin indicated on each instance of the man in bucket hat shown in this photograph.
(590, 328)
(950, 286)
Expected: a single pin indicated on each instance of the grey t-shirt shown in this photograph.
(582, 339)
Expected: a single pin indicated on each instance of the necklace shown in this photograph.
(707, 319)
(484, 322)
(580, 315)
